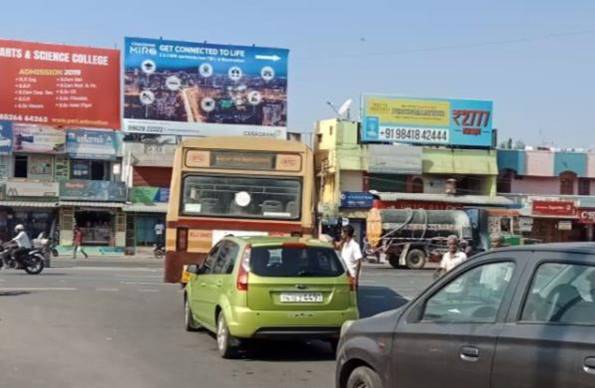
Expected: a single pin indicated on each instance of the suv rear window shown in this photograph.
(295, 262)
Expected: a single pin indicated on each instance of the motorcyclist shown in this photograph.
(21, 243)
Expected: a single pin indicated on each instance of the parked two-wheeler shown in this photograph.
(31, 261)
(46, 246)
(159, 251)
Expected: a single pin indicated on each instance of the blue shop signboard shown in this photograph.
(356, 200)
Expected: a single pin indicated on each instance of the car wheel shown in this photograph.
(364, 377)
(189, 322)
(226, 344)
(416, 259)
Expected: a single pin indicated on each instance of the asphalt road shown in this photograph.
(120, 326)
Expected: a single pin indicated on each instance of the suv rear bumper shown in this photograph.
(246, 323)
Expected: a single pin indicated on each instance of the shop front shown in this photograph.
(30, 203)
(555, 220)
(148, 208)
(97, 208)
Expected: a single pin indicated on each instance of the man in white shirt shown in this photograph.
(159, 229)
(20, 242)
(454, 256)
(351, 253)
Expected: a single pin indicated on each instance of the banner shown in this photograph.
(31, 189)
(554, 208)
(38, 139)
(88, 144)
(149, 195)
(59, 85)
(427, 121)
(203, 89)
(93, 191)
(5, 137)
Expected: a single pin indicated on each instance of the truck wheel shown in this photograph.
(394, 260)
(416, 259)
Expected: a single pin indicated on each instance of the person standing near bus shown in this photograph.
(77, 242)
(351, 253)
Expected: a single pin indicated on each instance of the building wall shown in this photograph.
(538, 185)
(151, 176)
(351, 180)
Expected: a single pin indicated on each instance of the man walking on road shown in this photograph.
(454, 256)
(159, 229)
(351, 253)
(77, 242)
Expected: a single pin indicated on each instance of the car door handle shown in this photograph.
(589, 365)
(203, 284)
(469, 353)
(219, 283)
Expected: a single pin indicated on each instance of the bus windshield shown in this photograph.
(241, 197)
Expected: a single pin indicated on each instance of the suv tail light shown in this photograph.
(182, 240)
(244, 270)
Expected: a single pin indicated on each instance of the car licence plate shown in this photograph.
(312, 297)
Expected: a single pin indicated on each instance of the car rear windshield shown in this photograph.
(295, 262)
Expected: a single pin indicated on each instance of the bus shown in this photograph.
(242, 186)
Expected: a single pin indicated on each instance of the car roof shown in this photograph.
(585, 248)
(263, 241)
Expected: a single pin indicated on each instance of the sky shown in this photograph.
(534, 59)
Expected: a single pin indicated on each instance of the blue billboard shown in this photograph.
(202, 89)
(357, 200)
(450, 122)
(92, 144)
(5, 137)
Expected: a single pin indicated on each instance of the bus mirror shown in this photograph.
(192, 268)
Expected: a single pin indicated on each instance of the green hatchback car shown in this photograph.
(268, 287)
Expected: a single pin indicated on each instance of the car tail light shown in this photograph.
(182, 240)
(244, 270)
(352, 282)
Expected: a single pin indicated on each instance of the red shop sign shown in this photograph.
(554, 208)
(586, 216)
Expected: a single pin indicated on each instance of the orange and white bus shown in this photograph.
(235, 185)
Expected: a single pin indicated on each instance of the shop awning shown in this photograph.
(143, 208)
(393, 159)
(92, 204)
(36, 204)
(460, 199)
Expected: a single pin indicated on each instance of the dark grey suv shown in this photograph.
(515, 317)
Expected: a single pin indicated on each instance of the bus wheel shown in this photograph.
(416, 259)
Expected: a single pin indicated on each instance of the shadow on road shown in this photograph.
(288, 351)
(14, 293)
(373, 300)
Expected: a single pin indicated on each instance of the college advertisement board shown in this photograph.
(89, 144)
(426, 121)
(38, 139)
(5, 137)
(204, 89)
(59, 85)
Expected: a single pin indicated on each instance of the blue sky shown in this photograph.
(534, 59)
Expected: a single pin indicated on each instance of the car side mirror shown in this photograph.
(193, 268)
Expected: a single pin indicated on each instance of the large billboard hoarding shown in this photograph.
(203, 89)
(59, 85)
(427, 121)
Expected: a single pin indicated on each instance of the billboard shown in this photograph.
(5, 137)
(203, 89)
(427, 121)
(89, 144)
(38, 139)
(85, 190)
(59, 85)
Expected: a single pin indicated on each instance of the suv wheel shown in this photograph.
(189, 321)
(364, 377)
(226, 344)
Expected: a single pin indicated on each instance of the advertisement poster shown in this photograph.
(37, 138)
(427, 121)
(59, 85)
(4, 165)
(204, 89)
(89, 144)
(5, 137)
(149, 195)
(40, 167)
(93, 191)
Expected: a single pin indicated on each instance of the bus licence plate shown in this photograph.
(312, 297)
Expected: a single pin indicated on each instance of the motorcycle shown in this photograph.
(159, 251)
(31, 261)
(46, 246)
